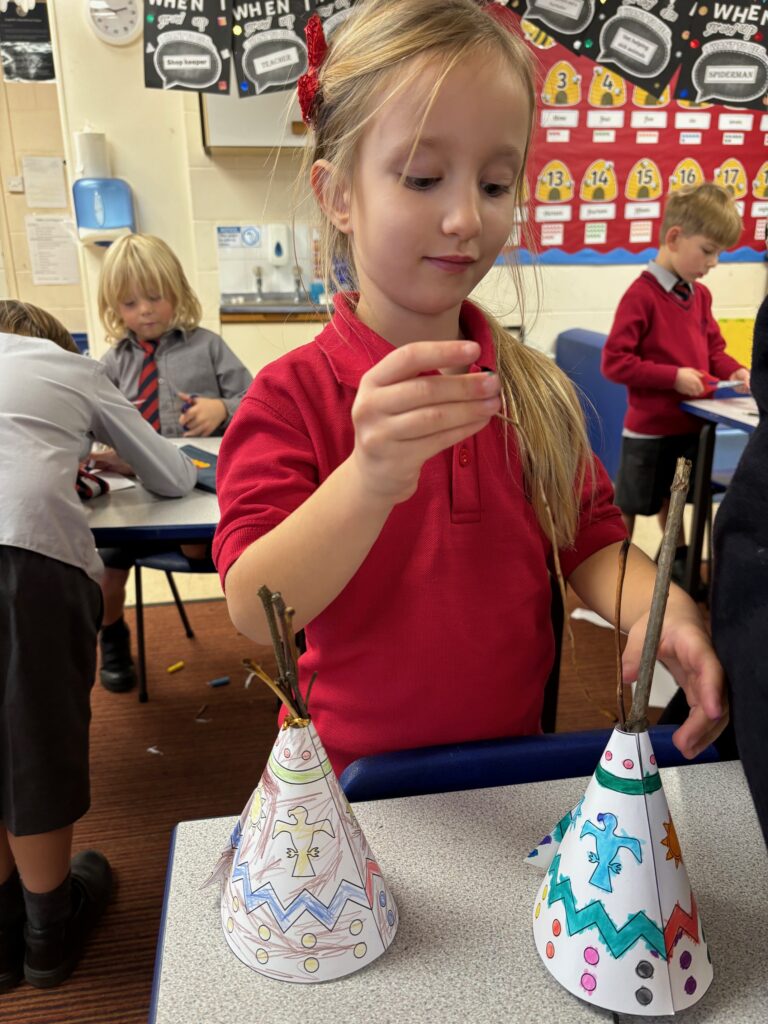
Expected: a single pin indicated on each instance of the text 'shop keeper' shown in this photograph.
(303, 898)
(615, 920)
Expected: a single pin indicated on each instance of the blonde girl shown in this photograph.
(409, 479)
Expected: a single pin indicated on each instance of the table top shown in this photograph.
(740, 412)
(464, 950)
(135, 514)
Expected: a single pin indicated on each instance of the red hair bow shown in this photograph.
(307, 86)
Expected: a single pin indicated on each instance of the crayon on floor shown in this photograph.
(177, 667)
(221, 681)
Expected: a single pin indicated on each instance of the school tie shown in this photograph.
(681, 290)
(148, 398)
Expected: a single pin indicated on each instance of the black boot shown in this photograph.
(12, 917)
(117, 670)
(54, 949)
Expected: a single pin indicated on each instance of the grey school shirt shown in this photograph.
(197, 362)
(53, 405)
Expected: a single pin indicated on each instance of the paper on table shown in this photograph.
(116, 481)
(303, 898)
(615, 920)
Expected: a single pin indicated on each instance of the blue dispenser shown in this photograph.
(103, 209)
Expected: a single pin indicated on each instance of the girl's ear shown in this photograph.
(332, 195)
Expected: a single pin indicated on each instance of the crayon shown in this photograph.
(177, 667)
(221, 681)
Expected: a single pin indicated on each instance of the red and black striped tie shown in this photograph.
(148, 398)
(681, 290)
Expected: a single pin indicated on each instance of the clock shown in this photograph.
(117, 22)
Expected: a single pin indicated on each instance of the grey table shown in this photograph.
(739, 412)
(135, 514)
(464, 950)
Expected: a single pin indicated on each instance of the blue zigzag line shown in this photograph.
(594, 915)
(285, 916)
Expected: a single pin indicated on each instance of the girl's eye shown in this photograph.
(128, 303)
(493, 190)
(420, 184)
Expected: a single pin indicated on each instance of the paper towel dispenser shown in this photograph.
(103, 210)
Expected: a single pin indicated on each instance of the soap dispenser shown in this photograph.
(278, 244)
(103, 209)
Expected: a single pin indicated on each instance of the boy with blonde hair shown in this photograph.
(665, 344)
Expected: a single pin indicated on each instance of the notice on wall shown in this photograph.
(25, 45)
(44, 182)
(187, 45)
(52, 249)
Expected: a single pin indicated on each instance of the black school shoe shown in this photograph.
(117, 674)
(53, 953)
(11, 953)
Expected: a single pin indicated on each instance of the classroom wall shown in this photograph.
(182, 193)
(30, 125)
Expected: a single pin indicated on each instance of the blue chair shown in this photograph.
(168, 562)
(500, 762)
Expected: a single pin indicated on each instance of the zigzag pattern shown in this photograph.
(679, 920)
(594, 915)
(286, 915)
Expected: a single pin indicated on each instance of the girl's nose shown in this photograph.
(462, 218)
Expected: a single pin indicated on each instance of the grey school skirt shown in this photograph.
(50, 614)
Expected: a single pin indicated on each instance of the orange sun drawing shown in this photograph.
(672, 843)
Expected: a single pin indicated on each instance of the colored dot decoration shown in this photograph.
(382, 899)
(644, 996)
(690, 986)
(549, 949)
(230, 925)
(311, 964)
(591, 955)
(262, 956)
(360, 950)
(264, 933)
(608, 755)
(588, 982)
(628, 763)
(356, 927)
(309, 940)
(235, 903)
(544, 892)
(653, 759)
(556, 927)
(390, 918)
(644, 969)
(306, 755)
(685, 960)
(537, 911)
(287, 753)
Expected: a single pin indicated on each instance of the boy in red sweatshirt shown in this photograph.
(663, 346)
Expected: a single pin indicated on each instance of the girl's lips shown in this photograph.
(450, 264)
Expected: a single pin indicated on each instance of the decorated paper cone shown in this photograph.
(615, 920)
(303, 898)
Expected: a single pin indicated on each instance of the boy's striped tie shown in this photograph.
(148, 398)
(682, 290)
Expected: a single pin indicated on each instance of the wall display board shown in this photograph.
(608, 149)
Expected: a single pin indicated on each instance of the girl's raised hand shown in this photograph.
(402, 417)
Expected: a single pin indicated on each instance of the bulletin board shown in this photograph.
(607, 152)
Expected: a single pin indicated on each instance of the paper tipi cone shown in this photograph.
(303, 897)
(615, 920)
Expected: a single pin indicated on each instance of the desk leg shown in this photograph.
(702, 493)
(142, 660)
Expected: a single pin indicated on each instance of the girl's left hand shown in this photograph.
(686, 650)
(743, 379)
(202, 415)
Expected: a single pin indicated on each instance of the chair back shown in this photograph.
(500, 762)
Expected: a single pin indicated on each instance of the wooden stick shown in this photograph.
(622, 711)
(638, 720)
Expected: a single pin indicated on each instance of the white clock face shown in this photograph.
(114, 21)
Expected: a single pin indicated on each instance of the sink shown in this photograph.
(265, 299)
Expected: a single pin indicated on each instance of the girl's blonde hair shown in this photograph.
(375, 55)
(32, 322)
(147, 265)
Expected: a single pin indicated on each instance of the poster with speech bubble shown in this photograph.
(607, 153)
(725, 58)
(639, 39)
(268, 41)
(187, 45)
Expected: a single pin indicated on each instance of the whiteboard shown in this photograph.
(273, 119)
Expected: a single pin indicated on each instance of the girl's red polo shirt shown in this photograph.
(444, 632)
